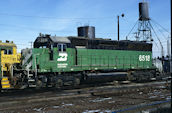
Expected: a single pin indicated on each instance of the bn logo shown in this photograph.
(62, 57)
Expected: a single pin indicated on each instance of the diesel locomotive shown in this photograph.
(56, 61)
(8, 57)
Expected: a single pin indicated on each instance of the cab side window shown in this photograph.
(62, 47)
(5, 52)
(8, 52)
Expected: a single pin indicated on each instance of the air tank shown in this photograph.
(143, 11)
(86, 31)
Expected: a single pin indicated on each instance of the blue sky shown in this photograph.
(22, 20)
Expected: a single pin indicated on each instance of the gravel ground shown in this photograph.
(90, 104)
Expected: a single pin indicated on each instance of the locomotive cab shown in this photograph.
(9, 57)
(49, 55)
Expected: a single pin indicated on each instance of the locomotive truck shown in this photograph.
(56, 61)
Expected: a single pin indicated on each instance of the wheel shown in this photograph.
(76, 81)
(39, 84)
(59, 83)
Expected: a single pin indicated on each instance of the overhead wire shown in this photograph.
(161, 32)
(132, 28)
(156, 44)
(160, 26)
(161, 42)
(46, 17)
(29, 28)
(157, 38)
(50, 30)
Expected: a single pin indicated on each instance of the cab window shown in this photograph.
(8, 52)
(5, 52)
(62, 47)
(59, 47)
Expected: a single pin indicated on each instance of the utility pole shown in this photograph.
(168, 48)
(171, 59)
(118, 28)
(118, 24)
(31, 44)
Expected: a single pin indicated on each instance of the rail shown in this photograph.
(142, 106)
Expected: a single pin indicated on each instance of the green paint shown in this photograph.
(89, 59)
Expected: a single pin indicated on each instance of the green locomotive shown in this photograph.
(55, 61)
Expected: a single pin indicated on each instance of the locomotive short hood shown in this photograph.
(47, 40)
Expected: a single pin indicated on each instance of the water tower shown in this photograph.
(144, 26)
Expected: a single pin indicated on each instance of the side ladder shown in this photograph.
(31, 80)
(5, 83)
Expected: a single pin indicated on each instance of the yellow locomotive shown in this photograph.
(8, 57)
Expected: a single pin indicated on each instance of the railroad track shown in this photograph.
(10, 102)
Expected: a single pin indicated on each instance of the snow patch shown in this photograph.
(37, 109)
(112, 101)
(100, 99)
(140, 93)
(67, 105)
(91, 111)
(152, 96)
(98, 111)
(107, 111)
(63, 105)
(168, 98)
(56, 107)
